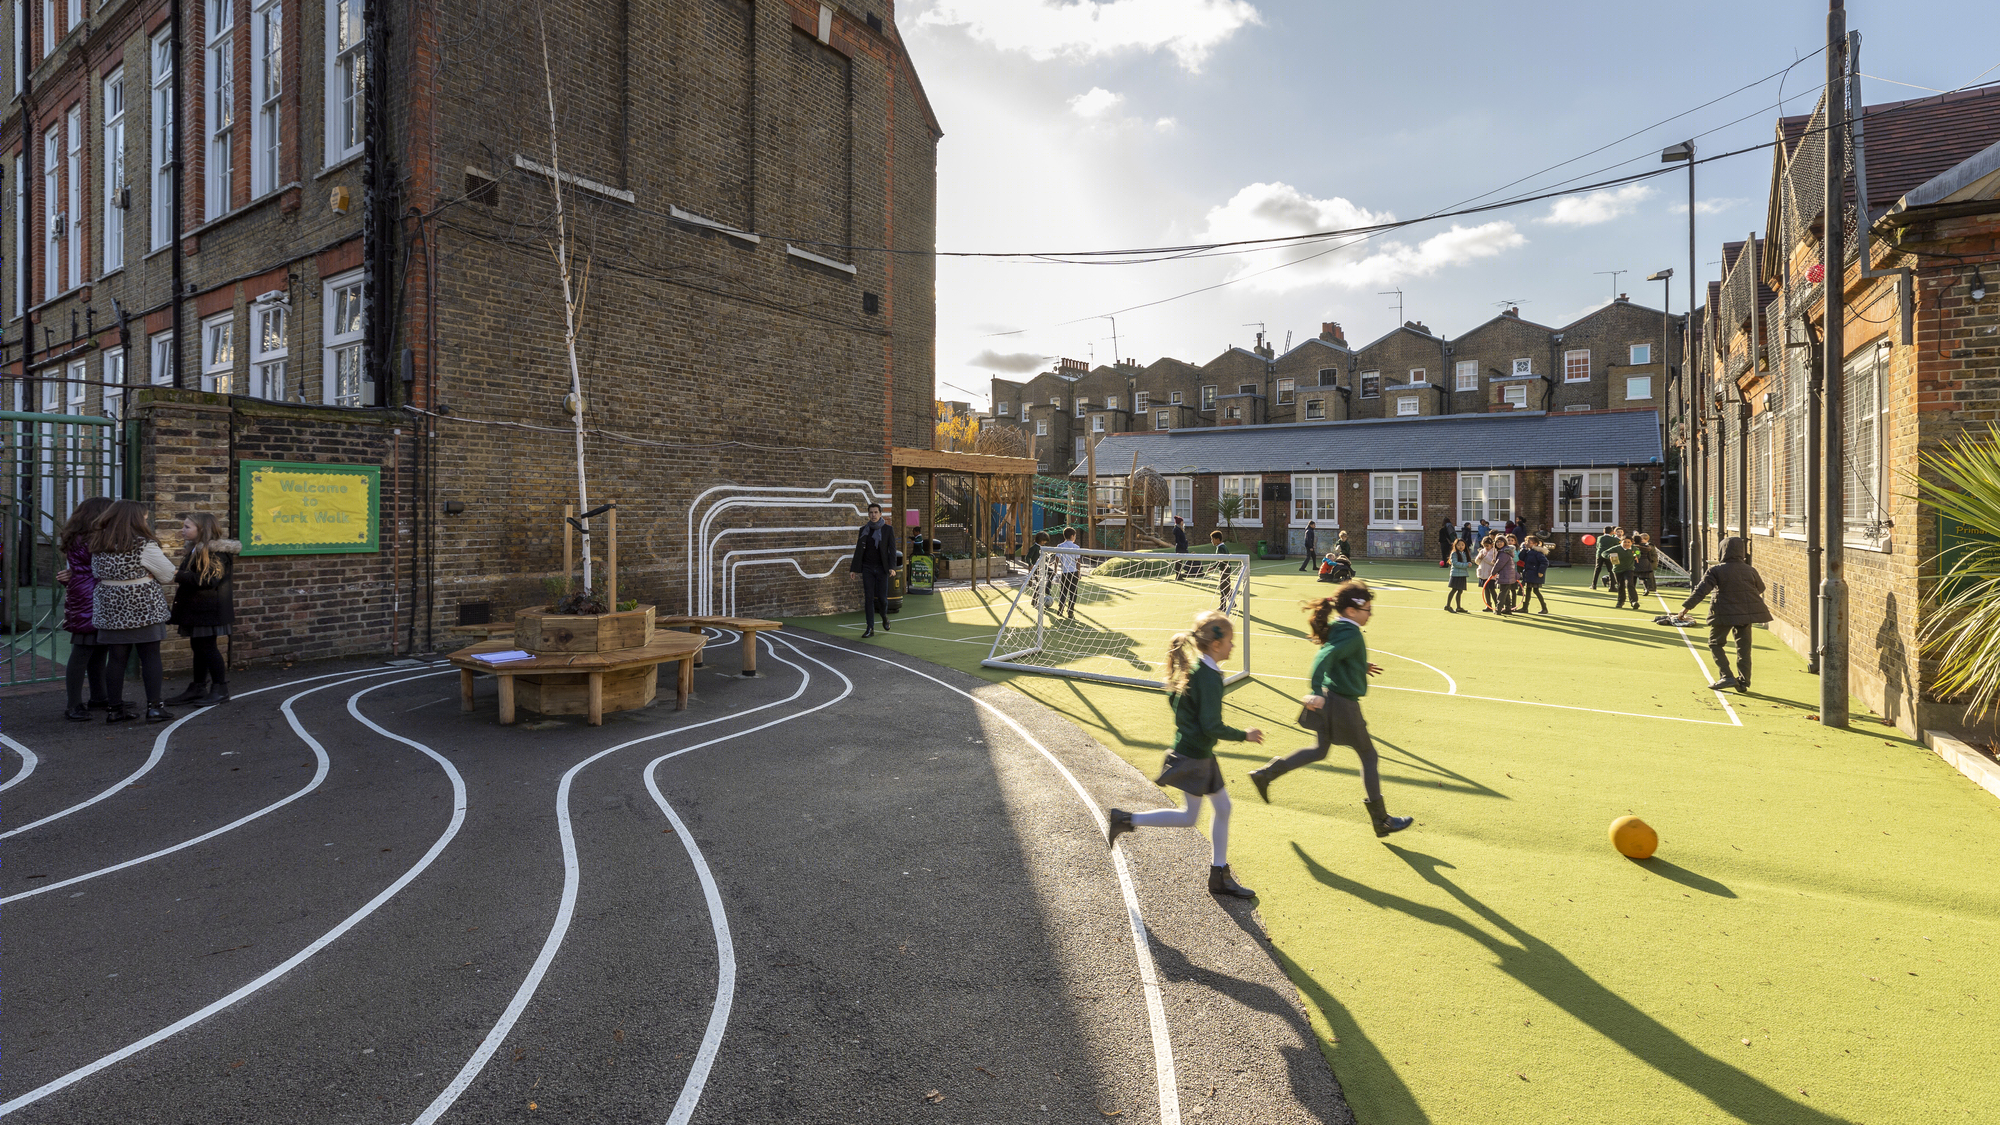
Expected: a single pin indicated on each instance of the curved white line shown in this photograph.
(296, 959)
(160, 748)
(28, 762)
(1696, 653)
(700, 563)
(730, 565)
(572, 878)
(1156, 1013)
(1451, 684)
(318, 778)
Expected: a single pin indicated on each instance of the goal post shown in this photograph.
(1109, 619)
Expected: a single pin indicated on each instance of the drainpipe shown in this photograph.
(180, 185)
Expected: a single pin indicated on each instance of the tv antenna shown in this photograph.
(1614, 280)
(1511, 302)
(1260, 330)
(1399, 302)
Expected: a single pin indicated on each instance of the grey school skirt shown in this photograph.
(1200, 776)
(144, 635)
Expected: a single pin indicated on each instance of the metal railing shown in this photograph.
(52, 462)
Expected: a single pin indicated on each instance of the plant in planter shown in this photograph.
(1228, 509)
(566, 600)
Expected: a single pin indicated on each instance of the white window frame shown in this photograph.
(113, 158)
(1141, 401)
(267, 77)
(20, 43)
(1162, 419)
(1642, 384)
(346, 80)
(1253, 500)
(1287, 390)
(218, 79)
(1515, 396)
(1371, 384)
(1326, 382)
(161, 354)
(1233, 411)
(1487, 506)
(1599, 498)
(48, 28)
(1246, 388)
(76, 385)
(114, 382)
(1407, 406)
(270, 367)
(73, 208)
(1208, 397)
(23, 238)
(1634, 353)
(52, 222)
(1319, 493)
(1097, 423)
(162, 131)
(218, 353)
(1866, 483)
(334, 344)
(1110, 402)
(1419, 377)
(1569, 365)
(1180, 493)
(52, 394)
(1041, 427)
(1001, 408)
(1082, 406)
(1404, 513)
(1056, 402)
(1315, 409)
(1523, 368)
(1467, 375)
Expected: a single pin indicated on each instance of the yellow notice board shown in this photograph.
(303, 508)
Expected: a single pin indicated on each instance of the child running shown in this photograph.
(1339, 679)
(1195, 694)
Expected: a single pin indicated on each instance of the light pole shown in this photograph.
(1693, 552)
(1665, 278)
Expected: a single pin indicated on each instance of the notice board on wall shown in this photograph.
(306, 508)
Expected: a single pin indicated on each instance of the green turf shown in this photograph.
(1830, 897)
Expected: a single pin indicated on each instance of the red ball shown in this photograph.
(1590, 540)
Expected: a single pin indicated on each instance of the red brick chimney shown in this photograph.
(1329, 330)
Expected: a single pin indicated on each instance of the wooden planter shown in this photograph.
(959, 570)
(568, 693)
(541, 632)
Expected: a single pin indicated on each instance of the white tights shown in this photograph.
(1218, 826)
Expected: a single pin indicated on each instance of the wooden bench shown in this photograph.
(496, 631)
(748, 626)
(555, 675)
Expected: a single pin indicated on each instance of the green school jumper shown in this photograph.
(1341, 668)
(1198, 724)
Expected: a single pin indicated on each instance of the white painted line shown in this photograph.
(1522, 702)
(318, 777)
(572, 879)
(1696, 653)
(160, 747)
(1149, 979)
(28, 761)
(296, 959)
(1451, 684)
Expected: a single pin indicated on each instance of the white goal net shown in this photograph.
(1109, 616)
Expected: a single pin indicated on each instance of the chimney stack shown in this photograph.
(1514, 311)
(1329, 330)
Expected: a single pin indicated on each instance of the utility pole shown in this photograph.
(1833, 590)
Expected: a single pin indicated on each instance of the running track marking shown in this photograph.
(319, 776)
(1692, 651)
(28, 761)
(1156, 1015)
(296, 959)
(1522, 702)
(160, 747)
(572, 878)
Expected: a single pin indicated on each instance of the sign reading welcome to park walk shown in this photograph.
(303, 508)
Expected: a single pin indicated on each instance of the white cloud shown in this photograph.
(1096, 103)
(1046, 29)
(1165, 125)
(1597, 207)
(1013, 363)
(1706, 206)
(1274, 210)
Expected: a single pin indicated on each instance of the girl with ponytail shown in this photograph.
(1194, 687)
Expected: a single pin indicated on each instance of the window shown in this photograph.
(219, 107)
(1160, 420)
(1233, 412)
(75, 14)
(1208, 398)
(1097, 423)
(1082, 406)
(20, 46)
(1862, 426)
(1315, 408)
(163, 141)
(1003, 409)
(1182, 490)
(344, 383)
(1407, 406)
(73, 211)
(114, 170)
(114, 383)
(48, 28)
(1793, 373)
(1524, 368)
(1041, 427)
(1246, 388)
(269, 348)
(1174, 398)
(162, 368)
(1468, 375)
(1110, 402)
(52, 256)
(1316, 498)
(1760, 471)
(1139, 401)
(1248, 492)
(1395, 500)
(1576, 366)
(1056, 402)
(52, 394)
(1485, 496)
(346, 80)
(267, 80)
(21, 239)
(218, 353)
(1371, 384)
(1642, 353)
(1638, 386)
(76, 384)
(1285, 390)
(1329, 376)
(1419, 377)
(1515, 396)
(1596, 503)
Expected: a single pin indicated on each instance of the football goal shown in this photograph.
(1109, 617)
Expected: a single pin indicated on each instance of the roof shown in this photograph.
(1967, 180)
(1327, 344)
(1907, 143)
(1519, 439)
(1400, 328)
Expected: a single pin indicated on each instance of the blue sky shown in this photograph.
(1120, 123)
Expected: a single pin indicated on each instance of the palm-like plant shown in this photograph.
(1228, 509)
(1961, 482)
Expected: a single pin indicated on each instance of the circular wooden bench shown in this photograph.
(582, 683)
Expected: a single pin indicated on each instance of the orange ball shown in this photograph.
(1590, 540)
(1634, 838)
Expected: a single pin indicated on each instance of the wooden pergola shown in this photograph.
(975, 467)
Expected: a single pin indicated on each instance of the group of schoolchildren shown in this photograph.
(115, 605)
(1628, 561)
(1510, 570)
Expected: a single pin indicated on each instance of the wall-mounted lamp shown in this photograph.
(1978, 285)
(454, 507)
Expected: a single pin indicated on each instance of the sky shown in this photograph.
(1075, 125)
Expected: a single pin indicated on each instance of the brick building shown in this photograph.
(350, 263)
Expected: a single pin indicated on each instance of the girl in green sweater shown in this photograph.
(1339, 679)
(1195, 694)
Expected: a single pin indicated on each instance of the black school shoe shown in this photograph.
(158, 713)
(1221, 882)
(77, 714)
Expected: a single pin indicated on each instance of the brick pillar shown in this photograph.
(183, 468)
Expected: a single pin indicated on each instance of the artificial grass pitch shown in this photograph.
(1817, 939)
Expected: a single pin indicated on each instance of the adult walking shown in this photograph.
(129, 605)
(204, 605)
(1195, 695)
(1739, 604)
(1446, 537)
(1312, 546)
(874, 557)
(1339, 679)
(87, 658)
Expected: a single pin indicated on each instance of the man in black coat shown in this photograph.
(1445, 537)
(874, 558)
(1739, 604)
(1312, 547)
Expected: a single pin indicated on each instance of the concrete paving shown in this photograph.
(923, 922)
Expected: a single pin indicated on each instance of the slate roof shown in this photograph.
(1515, 440)
(1909, 142)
